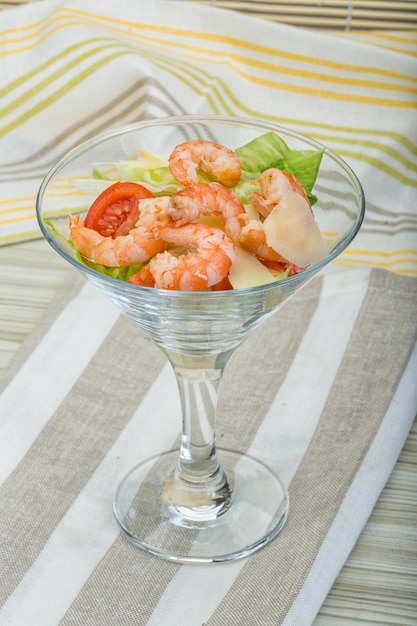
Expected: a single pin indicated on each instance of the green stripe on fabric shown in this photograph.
(331, 95)
(30, 234)
(20, 80)
(62, 91)
(320, 93)
(23, 98)
(206, 83)
(183, 33)
(230, 59)
(203, 90)
(379, 164)
(385, 134)
(395, 154)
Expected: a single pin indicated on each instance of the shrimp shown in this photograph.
(139, 245)
(207, 199)
(154, 213)
(274, 184)
(252, 237)
(143, 278)
(219, 161)
(196, 270)
(212, 198)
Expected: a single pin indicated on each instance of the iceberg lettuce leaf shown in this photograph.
(270, 150)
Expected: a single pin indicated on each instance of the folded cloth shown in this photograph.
(323, 393)
(74, 69)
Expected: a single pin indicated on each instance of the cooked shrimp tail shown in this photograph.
(274, 184)
(143, 278)
(138, 246)
(252, 238)
(207, 199)
(206, 264)
(217, 160)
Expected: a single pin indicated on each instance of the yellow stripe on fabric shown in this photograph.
(14, 200)
(204, 89)
(225, 39)
(233, 99)
(62, 91)
(401, 139)
(398, 50)
(28, 207)
(38, 39)
(381, 165)
(361, 99)
(397, 137)
(23, 98)
(19, 30)
(215, 38)
(363, 143)
(406, 271)
(317, 92)
(17, 220)
(382, 40)
(288, 70)
(30, 234)
(17, 82)
(408, 37)
(362, 156)
(381, 258)
(331, 95)
(384, 253)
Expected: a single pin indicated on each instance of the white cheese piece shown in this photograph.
(292, 231)
(247, 271)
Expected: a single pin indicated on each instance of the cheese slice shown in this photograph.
(247, 271)
(292, 231)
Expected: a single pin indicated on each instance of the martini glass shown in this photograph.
(196, 504)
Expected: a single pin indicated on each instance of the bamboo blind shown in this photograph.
(337, 14)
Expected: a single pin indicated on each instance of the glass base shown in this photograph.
(254, 515)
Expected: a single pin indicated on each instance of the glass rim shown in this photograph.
(195, 118)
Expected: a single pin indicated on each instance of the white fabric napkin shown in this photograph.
(329, 396)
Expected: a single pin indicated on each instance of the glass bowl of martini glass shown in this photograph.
(198, 503)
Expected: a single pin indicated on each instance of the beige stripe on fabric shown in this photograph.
(110, 114)
(368, 376)
(384, 221)
(113, 588)
(72, 287)
(71, 446)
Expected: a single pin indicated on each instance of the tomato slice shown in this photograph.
(115, 211)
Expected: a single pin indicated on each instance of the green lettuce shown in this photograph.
(120, 273)
(158, 180)
(270, 150)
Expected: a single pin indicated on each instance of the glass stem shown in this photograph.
(198, 488)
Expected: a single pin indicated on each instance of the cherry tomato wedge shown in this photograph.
(115, 211)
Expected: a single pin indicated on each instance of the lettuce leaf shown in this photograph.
(158, 180)
(270, 150)
(120, 273)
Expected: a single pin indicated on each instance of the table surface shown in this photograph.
(376, 585)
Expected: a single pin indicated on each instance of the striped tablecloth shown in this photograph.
(329, 382)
